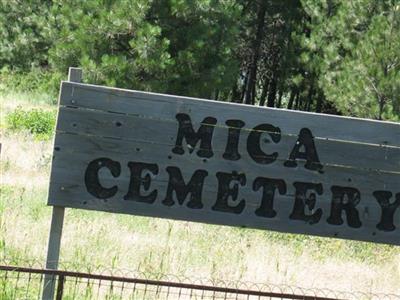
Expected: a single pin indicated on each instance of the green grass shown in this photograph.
(38, 122)
(97, 241)
(37, 86)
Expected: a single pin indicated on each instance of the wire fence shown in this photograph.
(27, 283)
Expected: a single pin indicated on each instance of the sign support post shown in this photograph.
(57, 221)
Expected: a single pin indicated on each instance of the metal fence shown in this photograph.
(27, 283)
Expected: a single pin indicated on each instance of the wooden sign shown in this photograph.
(189, 159)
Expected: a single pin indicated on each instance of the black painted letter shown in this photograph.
(388, 209)
(137, 180)
(204, 134)
(177, 184)
(231, 150)
(267, 203)
(225, 191)
(92, 181)
(301, 200)
(345, 198)
(310, 154)
(253, 143)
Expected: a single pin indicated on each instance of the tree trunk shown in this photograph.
(264, 92)
(253, 95)
(249, 98)
(272, 92)
(310, 98)
(216, 93)
(291, 99)
(320, 99)
(274, 79)
(297, 100)
(280, 94)
(381, 106)
(235, 93)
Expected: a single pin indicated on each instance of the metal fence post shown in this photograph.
(60, 287)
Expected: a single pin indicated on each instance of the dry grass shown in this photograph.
(25, 161)
(95, 240)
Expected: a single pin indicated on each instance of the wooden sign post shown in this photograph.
(57, 220)
(181, 158)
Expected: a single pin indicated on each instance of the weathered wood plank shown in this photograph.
(136, 128)
(290, 122)
(67, 169)
(75, 74)
(76, 152)
(106, 138)
(80, 150)
(368, 207)
(70, 195)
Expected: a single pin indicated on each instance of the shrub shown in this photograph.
(38, 122)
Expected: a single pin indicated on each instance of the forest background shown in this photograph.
(330, 56)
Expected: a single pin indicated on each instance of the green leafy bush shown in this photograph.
(38, 122)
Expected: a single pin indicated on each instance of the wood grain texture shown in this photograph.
(57, 221)
(128, 126)
(166, 106)
(77, 150)
(163, 133)
(75, 74)
(71, 195)
(69, 166)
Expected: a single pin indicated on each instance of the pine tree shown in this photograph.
(353, 47)
(24, 38)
